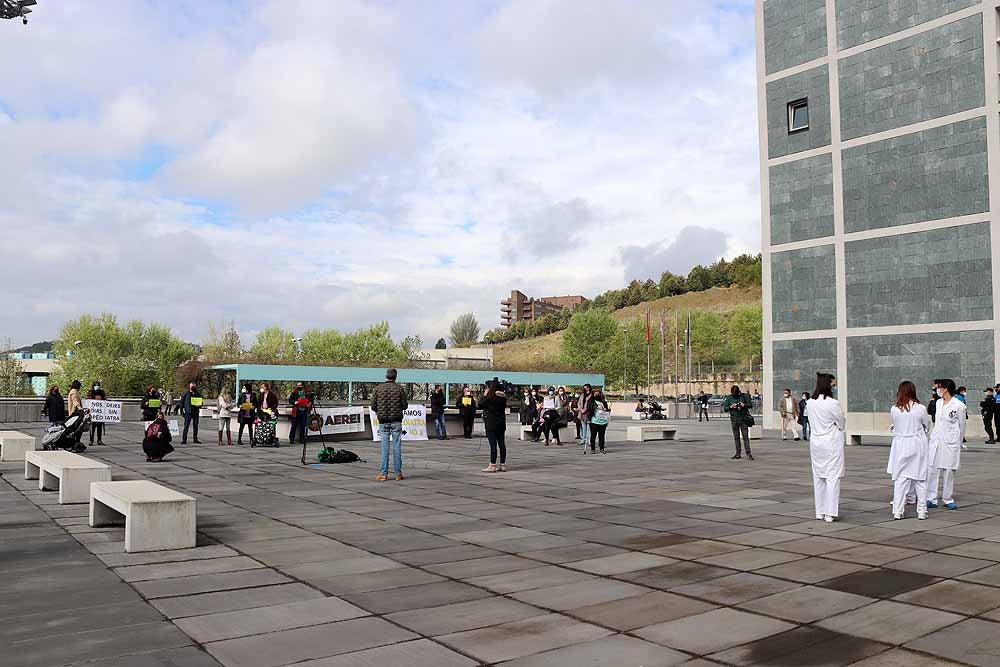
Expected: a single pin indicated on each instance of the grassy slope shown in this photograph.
(544, 352)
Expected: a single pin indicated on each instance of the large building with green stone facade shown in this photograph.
(880, 145)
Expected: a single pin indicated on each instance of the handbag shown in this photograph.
(750, 420)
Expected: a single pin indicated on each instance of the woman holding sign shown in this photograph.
(600, 414)
(150, 404)
(97, 394)
(246, 413)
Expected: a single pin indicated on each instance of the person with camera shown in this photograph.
(494, 406)
(738, 404)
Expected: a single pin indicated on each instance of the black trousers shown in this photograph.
(703, 410)
(597, 432)
(248, 425)
(467, 422)
(190, 418)
(98, 428)
(496, 439)
(988, 425)
(739, 428)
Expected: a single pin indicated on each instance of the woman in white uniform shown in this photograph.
(826, 446)
(945, 445)
(908, 455)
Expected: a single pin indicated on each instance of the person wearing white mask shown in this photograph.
(945, 445)
(908, 454)
(826, 447)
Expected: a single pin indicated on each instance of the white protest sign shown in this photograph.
(342, 420)
(414, 423)
(106, 412)
(171, 424)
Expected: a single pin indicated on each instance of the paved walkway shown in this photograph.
(655, 554)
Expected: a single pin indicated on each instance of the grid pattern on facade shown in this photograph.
(860, 21)
(796, 32)
(801, 199)
(803, 290)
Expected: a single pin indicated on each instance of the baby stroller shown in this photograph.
(265, 427)
(68, 434)
(654, 411)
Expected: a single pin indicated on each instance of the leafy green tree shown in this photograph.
(274, 345)
(464, 330)
(699, 279)
(125, 359)
(222, 343)
(12, 379)
(441, 344)
(588, 337)
(708, 336)
(617, 363)
(670, 285)
(746, 333)
(322, 346)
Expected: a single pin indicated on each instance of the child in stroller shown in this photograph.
(265, 426)
(68, 434)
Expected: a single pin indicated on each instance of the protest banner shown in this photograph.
(104, 412)
(414, 423)
(341, 420)
(175, 429)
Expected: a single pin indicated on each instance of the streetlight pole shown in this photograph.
(625, 365)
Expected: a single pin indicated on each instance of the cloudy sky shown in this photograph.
(329, 163)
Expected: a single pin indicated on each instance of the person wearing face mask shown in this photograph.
(583, 412)
(987, 408)
(301, 402)
(527, 414)
(737, 404)
(494, 406)
(466, 405)
(804, 415)
(191, 402)
(908, 454)
(247, 403)
(945, 445)
(789, 410)
(826, 447)
(97, 394)
(437, 413)
(550, 417)
(598, 414)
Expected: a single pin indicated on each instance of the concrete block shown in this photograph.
(525, 433)
(156, 517)
(14, 444)
(69, 473)
(646, 433)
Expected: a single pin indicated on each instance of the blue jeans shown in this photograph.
(393, 431)
(300, 424)
(439, 428)
(584, 431)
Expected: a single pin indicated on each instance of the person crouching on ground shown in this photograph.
(494, 406)
(945, 445)
(437, 413)
(156, 444)
(599, 414)
(388, 403)
(908, 454)
(737, 404)
(826, 447)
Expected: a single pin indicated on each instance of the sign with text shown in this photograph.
(414, 423)
(342, 420)
(172, 424)
(106, 412)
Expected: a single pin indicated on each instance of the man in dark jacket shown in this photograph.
(191, 402)
(494, 407)
(988, 407)
(437, 412)
(301, 402)
(388, 403)
(97, 394)
(703, 406)
(466, 405)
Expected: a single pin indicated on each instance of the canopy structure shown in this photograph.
(350, 375)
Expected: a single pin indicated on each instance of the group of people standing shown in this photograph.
(56, 409)
(587, 409)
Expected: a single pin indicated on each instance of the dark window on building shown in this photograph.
(798, 116)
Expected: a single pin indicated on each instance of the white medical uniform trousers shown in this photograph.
(904, 487)
(827, 492)
(948, 486)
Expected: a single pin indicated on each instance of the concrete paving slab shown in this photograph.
(416, 597)
(890, 622)
(464, 616)
(640, 611)
(521, 638)
(571, 596)
(606, 652)
(971, 642)
(712, 631)
(735, 588)
(206, 583)
(419, 653)
(523, 580)
(806, 604)
(184, 569)
(231, 600)
(262, 620)
(94, 644)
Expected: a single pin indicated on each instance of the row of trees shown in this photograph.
(743, 271)
(596, 341)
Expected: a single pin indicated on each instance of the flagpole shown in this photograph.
(648, 341)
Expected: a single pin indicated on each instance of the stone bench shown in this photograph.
(645, 433)
(14, 444)
(756, 432)
(525, 433)
(70, 473)
(156, 518)
(854, 437)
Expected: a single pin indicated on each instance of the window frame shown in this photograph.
(793, 106)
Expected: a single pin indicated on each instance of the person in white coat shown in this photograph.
(908, 454)
(826, 446)
(945, 445)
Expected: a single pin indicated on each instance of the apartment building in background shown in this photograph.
(522, 308)
(880, 143)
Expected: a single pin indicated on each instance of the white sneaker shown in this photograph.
(828, 518)
(502, 467)
(921, 516)
(897, 517)
(490, 468)
(819, 517)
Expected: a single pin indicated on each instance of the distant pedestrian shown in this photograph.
(826, 447)
(151, 404)
(494, 406)
(168, 401)
(789, 410)
(932, 402)
(527, 414)
(191, 402)
(703, 406)
(961, 395)
(437, 413)
(466, 405)
(599, 415)
(551, 417)
(97, 394)
(945, 445)
(301, 402)
(987, 408)
(737, 404)
(804, 415)
(73, 398)
(389, 401)
(583, 413)
(224, 405)
(247, 407)
(55, 407)
(908, 454)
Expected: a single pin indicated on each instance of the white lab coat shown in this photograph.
(946, 439)
(908, 455)
(826, 438)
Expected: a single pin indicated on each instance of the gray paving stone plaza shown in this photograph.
(664, 553)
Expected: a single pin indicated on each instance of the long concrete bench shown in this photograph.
(156, 518)
(14, 444)
(646, 433)
(70, 473)
(854, 437)
(525, 433)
